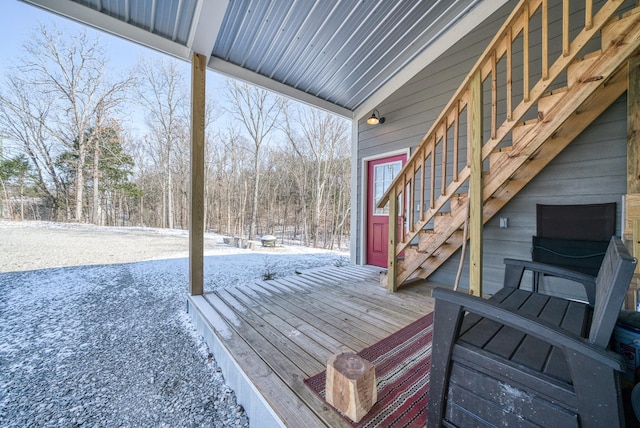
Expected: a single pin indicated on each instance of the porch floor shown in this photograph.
(271, 335)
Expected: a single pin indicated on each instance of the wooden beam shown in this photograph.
(565, 28)
(443, 181)
(633, 167)
(475, 184)
(456, 140)
(525, 56)
(588, 14)
(421, 183)
(432, 182)
(494, 95)
(632, 302)
(635, 248)
(392, 262)
(633, 128)
(509, 75)
(196, 221)
(545, 40)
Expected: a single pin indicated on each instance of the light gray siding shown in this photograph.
(591, 170)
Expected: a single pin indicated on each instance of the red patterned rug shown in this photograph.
(403, 363)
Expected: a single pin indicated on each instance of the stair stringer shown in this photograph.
(602, 19)
(620, 39)
(536, 162)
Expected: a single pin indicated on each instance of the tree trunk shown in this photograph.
(163, 220)
(228, 192)
(170, 195)
(243, 207)
(80, 180)
(6, 197)
(97, 207)
(22, 199)
(256, 184)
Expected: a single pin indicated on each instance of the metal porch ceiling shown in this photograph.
(336, 54)
(339, 51)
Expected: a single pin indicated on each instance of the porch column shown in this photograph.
(475, 185)
(392, 262)
(633, 126)
(196, 220)
(631, 226)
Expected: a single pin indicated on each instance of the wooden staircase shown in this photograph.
(519, 146)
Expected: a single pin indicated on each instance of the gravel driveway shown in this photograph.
(103, 345)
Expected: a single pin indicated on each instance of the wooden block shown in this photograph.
(383, 279)
(631, 298)
(351, 385)
(632, 211)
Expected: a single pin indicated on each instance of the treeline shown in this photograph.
(69, 152)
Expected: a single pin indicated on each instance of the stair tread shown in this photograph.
(503, 149)
(531, 154)
(556, 91)
(630, 12)
(591, 55)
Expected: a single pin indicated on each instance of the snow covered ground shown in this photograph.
(93, 329)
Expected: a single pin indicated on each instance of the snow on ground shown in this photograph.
(93, 329)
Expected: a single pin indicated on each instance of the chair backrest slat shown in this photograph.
(612, 282)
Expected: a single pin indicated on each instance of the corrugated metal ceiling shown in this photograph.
(335, 54)
(171, 19)
(341, 51)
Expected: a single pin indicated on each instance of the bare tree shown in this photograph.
(258, 110)
(320, 139)
(24, 114)
(166, 101)
(73, 71)
(230, 168)
(106, 106)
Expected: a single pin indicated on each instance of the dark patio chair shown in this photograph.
(522, 358)
(572, 236)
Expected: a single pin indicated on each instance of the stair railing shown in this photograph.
(429, 178)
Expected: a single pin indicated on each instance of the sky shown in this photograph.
(18, 21)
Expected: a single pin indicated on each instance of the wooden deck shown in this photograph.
(270, 336)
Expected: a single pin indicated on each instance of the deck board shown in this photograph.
(394, 312)
(281, 331)
(308, 318)
(278, 332)
(335, 312)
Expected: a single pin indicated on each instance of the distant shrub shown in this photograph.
(340, 263)
(268, 276)
(269, 272)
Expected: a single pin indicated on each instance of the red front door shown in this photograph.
(380, 174)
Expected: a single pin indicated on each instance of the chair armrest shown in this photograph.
(514, 269)
(571, 344)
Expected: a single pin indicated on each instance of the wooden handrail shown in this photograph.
(458, 96)
(436, 141)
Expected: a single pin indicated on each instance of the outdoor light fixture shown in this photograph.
(375, 119)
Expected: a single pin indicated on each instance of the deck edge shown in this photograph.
(258, 410)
